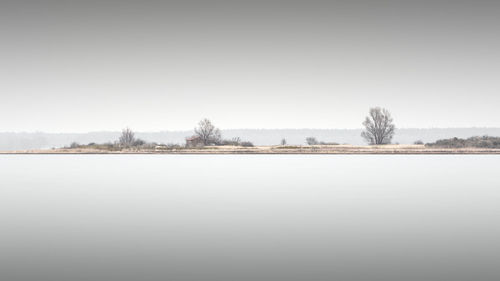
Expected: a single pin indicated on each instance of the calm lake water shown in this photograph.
(251, 217)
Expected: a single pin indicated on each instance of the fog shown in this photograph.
(21, 141)
(85, 65)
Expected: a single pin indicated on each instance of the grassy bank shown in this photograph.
(305, 149)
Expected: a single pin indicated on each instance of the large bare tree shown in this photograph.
(379, 128)
(127, 138)
(207, 132)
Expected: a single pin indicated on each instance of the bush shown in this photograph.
(312, 141)
(246, 144)
(328, 143)
(174, 146)
(74, 145)
(138, 142)
(479, 142)
(233, 141)
(418, 142)
(236, 142)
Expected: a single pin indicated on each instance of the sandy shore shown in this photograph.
(326, 149)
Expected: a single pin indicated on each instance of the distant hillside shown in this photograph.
(20, 141)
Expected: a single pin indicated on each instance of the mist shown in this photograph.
(82, 66)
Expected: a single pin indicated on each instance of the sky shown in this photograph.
(78, 66)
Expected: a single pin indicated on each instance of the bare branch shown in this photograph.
(127, 138)
(379, 128)
(207, 132)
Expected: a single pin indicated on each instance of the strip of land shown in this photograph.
(305, 149)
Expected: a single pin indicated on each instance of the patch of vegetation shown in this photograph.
(328, 143)
(314, 141)
(235, 142)
(288, 147)
(172, 146)
(311, 141)
(127, 141)
(476, 142)
(246, 144)
(95, 146)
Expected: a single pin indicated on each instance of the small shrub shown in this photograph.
(233, 141)
(246, 144)
(138, 142)
(174, 146)
(328, 143)
(312, 141)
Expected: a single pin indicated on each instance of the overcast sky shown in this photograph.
(76, 66)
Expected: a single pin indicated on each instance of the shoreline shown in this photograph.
(269, 150)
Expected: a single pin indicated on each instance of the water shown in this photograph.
(252, 217)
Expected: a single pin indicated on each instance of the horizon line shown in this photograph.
(229, 129)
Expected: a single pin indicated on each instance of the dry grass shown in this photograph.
(305, 149)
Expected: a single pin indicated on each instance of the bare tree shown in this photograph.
(74, 145)
(312, 141)
(207, 132)
(127, 138)
(379, 128)
(283, 142)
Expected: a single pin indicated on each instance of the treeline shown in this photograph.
(314, 141)
(379, 130)
(206, 134)
(127, 140)
(478, 142)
